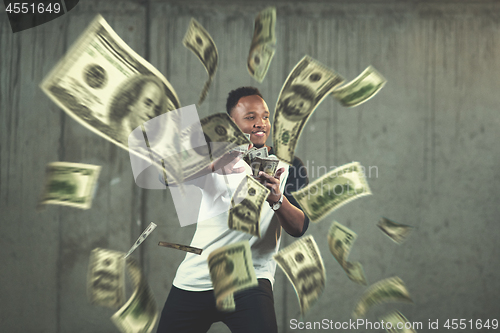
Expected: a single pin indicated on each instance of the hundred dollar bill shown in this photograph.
(231, 270)
(263, 41)
(198, 40)
(243, 148)
(393, 319)
(186, 248)
(396, 231)
(304, 89)
(219, 134)
(140, 313)
(302, 263)
(70, 184)
(267, 164)
(387, 290)
(227, 304)
(332, 190)
(361, 89)
(108, 88)
(246, 206)
(152, 226)
(340, 241)
(106, 278)
(253, 153)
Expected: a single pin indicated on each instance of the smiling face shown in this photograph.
(251, 114)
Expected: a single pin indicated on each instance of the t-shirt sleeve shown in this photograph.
(297, 179)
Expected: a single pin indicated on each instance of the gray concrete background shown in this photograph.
(430, 136)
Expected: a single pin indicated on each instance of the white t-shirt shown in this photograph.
(212, 231)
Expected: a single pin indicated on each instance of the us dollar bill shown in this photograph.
(302, 263)
(108, 88)
(333, 190)
(152, 226)
(396, 231)
(106, 278)
(70, 184)
(181, 247)
(262, 48)
(231, 270)
(304, 89)
(387, 290)
(198, 40)
(266, 164)
(361, 89)
(219, 135)
(393, 319)
(340, 241)
(246, 205)
(227, 305)
(140, 312)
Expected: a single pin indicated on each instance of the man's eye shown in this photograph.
(249, 118)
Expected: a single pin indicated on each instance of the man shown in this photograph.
(191, 306)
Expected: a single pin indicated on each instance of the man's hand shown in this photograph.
(272, 183)
(225, 164)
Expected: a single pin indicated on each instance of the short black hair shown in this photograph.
(235, 95)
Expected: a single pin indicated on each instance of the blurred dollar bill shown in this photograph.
(106, 278)
(243, 148)
(263, 42)
(387, 290)
(227, 305)
(253, 153)
(302, 263)
(152, 226)
(70, 184)
(108, 88)
(198, 40)
(186, 248)
(340, 241)
(333, 190)
(396, 231)
(231, 270)
(246, 206)
(140, 313)
(393, 319)
(266, 164)
(304, 89)
(361, 89)
(209, 140)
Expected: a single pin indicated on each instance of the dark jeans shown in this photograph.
(195, 311)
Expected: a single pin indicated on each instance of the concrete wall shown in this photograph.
(430, 137)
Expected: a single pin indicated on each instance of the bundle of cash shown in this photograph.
(302, 263)
(387, 290)
(231, 270)
(263, 44)
(251, 154)
(259, 160)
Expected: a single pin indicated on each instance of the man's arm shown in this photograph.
(290, 215)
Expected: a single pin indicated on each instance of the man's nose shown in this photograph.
(258, 123)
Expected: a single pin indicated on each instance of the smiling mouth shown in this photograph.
(259, 132)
